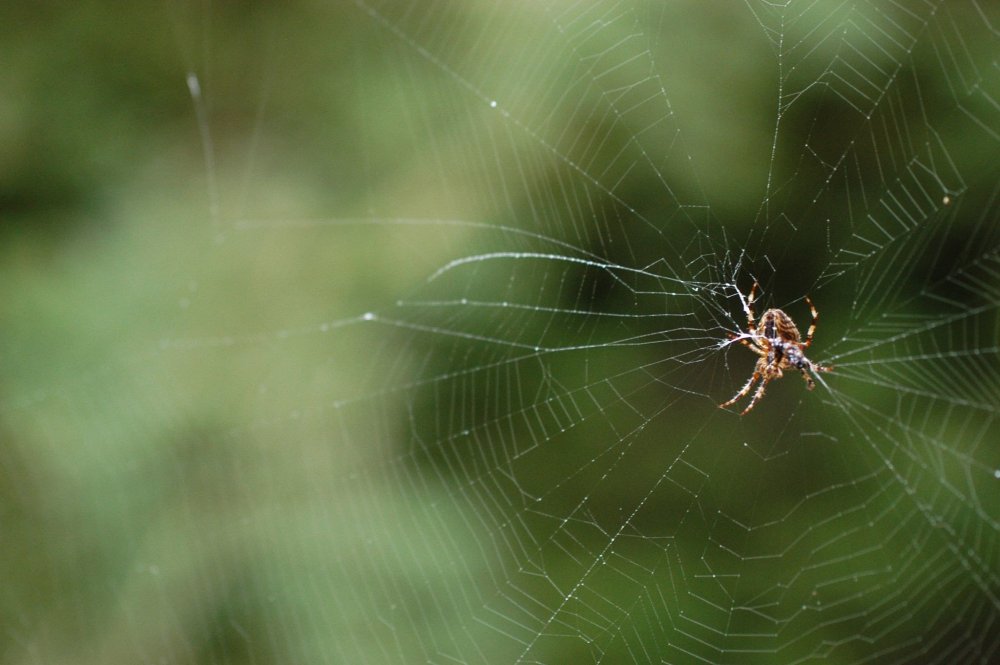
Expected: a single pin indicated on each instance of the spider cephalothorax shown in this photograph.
(777, 341)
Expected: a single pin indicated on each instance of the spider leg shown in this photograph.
(749, 343)
(756, 396)
(750, 300)
(821, 368)
(743, 391)
(810, 384)
(812, 327)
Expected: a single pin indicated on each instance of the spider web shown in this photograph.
(489, 260)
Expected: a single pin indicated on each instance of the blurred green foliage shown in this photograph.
(203, 459)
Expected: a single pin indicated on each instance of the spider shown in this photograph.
(776, 340)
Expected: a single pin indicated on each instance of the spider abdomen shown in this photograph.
(775, 324)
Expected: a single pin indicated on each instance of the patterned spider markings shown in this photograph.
(777, 341)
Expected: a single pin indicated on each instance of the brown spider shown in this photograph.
(776, 340)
